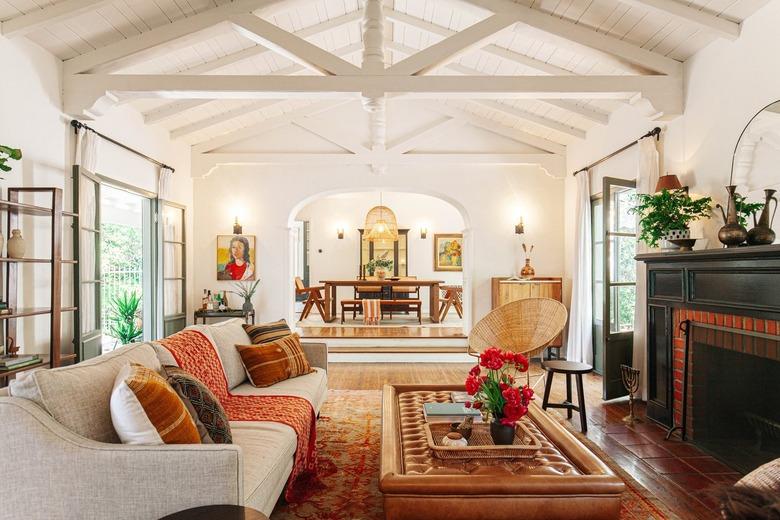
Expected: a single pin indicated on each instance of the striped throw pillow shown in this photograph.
(205, 404)
(145, 409)
(270, 363)
(267, 332)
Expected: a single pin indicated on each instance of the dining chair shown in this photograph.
(452, 296)
(314, 299)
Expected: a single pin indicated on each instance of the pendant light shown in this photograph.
(381, 223)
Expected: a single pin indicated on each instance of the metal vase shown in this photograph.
(502, 434)
(762, 233)
(732, 234)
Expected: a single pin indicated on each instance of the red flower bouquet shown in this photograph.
(496, 394)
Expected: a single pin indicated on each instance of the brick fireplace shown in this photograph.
(730, 301)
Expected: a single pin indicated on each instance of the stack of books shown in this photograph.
(449, 412)
(13, 363)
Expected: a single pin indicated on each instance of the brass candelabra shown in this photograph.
(630, 377)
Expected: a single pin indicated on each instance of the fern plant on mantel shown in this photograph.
(667, 211)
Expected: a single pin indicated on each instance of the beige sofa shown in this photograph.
(62, 459)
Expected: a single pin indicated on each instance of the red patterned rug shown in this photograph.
(348, 439)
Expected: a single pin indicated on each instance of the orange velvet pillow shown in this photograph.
(269, 363)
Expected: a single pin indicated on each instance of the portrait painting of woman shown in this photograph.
(235, 257)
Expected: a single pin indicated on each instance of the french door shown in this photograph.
(614, 282)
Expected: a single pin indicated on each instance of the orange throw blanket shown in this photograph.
(372, 311)
(194, 353)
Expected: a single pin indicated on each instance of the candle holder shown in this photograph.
(630, 377)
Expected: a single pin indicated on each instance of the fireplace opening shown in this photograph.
(735, 398)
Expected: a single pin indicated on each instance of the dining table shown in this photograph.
(331, 287)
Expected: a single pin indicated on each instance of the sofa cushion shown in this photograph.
(267, 332)
(312, 387)
(226, 335)
(146, 410)
(79, 396)
(267, 454)
(270, 363)
(206, 406)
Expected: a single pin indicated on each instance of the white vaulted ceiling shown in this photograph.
(636, 43)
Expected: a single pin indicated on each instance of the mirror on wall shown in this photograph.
(397, 251)
(756, 162)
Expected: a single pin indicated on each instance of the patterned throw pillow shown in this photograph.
(206, 405)
(267, 332)
(145, 409)
(269, 363)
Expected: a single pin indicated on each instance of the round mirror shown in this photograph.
(756, 162)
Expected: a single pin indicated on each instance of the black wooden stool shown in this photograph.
(568, 368)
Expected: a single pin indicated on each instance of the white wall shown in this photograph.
(32, 119)
(332, 258)
(269, 198)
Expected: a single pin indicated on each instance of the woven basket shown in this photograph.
(481, 444)
(525, 326)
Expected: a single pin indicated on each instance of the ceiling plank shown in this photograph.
(202, 124)
(584, 36)
(700, 19)
(291, 46)
(532, 118)
(451, 48)
(49, 15)
(114, 56)
(165, 112)
(424, 135)
(325, 130)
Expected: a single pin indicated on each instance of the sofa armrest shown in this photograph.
(317, 354)
(55, 473)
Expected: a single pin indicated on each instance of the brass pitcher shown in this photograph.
(762, 233)
(732, 234)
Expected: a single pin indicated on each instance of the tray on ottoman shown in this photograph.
(481, 444)
(563, 480)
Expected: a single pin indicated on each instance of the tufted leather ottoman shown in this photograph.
(564, 480)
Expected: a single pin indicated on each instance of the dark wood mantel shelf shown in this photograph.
(713, 254)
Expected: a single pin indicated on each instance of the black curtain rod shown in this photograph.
(655, 132)
(78, 124)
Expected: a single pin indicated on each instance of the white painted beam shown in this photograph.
(698, 18)
(49, 15)
(291, 46)
(165, 112)
(582, 35)
(264, 126)
(202, 124)
(426, 134)
(451, 48)
(325, 130)
(543, 122)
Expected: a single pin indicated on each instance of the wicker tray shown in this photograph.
(481, 444)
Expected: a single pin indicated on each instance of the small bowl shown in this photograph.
(685, 244)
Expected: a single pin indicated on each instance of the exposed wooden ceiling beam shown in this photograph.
(291, 46)
(169, 110)
(452, 47)
(49, 15)
(543, 122)
(700, 19)
(426, 134)
(223, 117)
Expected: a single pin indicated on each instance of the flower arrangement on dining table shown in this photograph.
(496, 393)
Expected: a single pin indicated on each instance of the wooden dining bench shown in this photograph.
(405, 304)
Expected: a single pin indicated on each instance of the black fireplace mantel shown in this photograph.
(743, 281)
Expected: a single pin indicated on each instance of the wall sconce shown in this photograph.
(423, 233)
(238, 229)
(520, 227)
(340, 233)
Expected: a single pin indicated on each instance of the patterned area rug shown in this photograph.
(348, 442)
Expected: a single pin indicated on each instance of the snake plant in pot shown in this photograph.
(666, 215)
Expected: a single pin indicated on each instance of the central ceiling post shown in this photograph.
(374, 63)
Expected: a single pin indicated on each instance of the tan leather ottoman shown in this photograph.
(565, 480)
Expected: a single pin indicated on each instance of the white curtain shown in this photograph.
(164, 183)
(87, 152)
(646, 178)
(580, 340)
(87, 149)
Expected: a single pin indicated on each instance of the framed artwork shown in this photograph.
(448, 252)
(236, 257)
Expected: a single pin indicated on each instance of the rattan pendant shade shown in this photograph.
(381, 224)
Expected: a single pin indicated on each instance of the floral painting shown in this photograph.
(448, 252)
(235, 257)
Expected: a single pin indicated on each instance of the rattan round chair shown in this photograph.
(525, 326)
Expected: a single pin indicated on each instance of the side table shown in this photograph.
(230, 313)
(223, 512)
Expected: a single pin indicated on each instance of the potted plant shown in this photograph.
(7, 153)
(502, 401)
(246, 290)
(379, 266)
(667, 214)
(125, 317)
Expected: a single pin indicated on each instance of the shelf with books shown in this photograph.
(43, 361)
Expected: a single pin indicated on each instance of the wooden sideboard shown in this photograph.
(505, 291)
